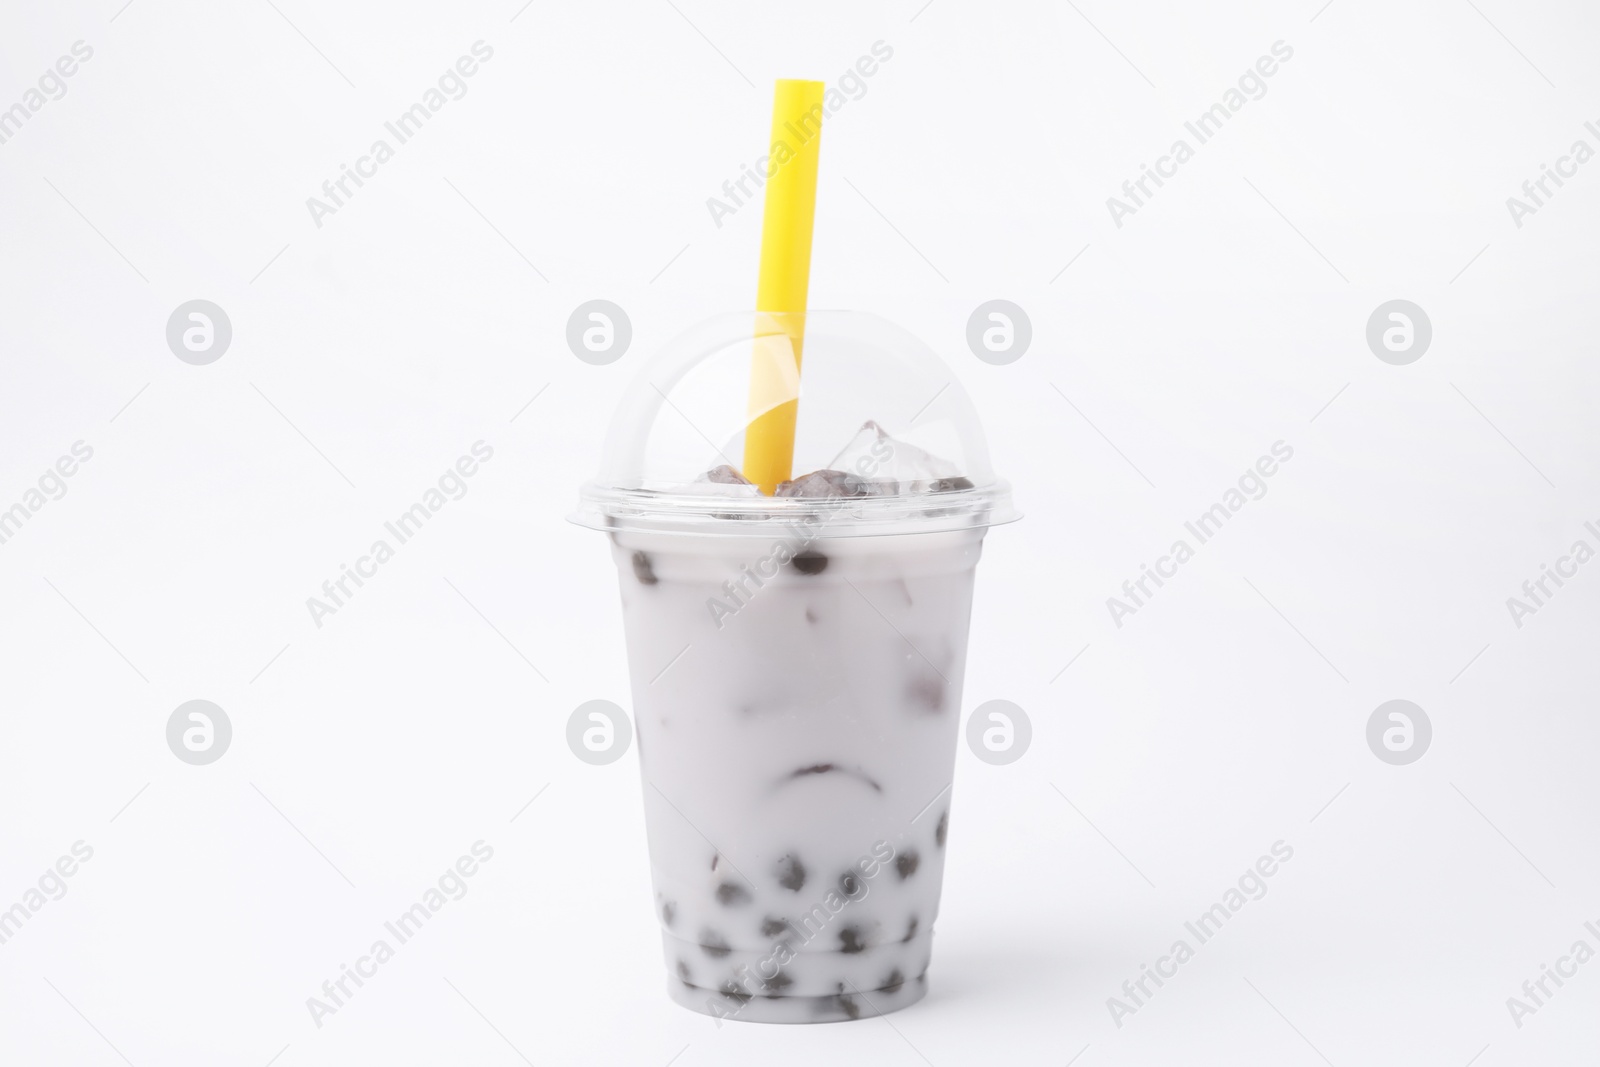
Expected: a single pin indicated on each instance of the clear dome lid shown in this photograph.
(886, 439)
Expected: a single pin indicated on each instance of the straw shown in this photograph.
(785, 273)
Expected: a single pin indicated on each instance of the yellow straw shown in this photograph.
(785, 273)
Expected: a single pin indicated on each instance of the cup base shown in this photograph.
(839, 1007)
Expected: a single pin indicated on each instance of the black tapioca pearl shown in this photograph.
(734, 991)
(810, 562)
(715, 858)
(911, 929)
(832, 768)
(811, 616)
(893, 983)
(642, 569)
(714, 944)
(731, 894)
(905, 864)
(791, 873)
(683, 971)
(847, 1004)
(850, 940)
(775, 985)
(669, 912)
(943, 828)
(850, 884)
(949, 485)
(929, 692)
(771, 927)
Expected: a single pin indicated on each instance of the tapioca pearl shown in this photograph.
(791, 873)
(775, 985)
(771, 927)
(850, 884)
(852, 940)
(810, 562)
(826, 1005)
(847, 1004)
(735, 992)
(811, 616)
(911, 929)
(684, 972)
(927, 692)
(643, 570)
(714, 944)
(669, 913)
(943, 828)
(893, 983)
(905, 864)
(732, 894)
(832, 768)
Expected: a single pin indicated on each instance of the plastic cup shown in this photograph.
(797, 660)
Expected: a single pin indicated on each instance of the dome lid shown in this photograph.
(886, 439)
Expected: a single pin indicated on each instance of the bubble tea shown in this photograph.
(797, 661)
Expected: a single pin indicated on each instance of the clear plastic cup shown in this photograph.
(797, 660)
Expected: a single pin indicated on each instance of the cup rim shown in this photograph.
(608, 508)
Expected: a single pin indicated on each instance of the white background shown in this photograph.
(371, 352)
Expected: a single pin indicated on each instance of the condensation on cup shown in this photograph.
(797, 659)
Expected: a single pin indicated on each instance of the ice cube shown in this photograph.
(942, 485)
(720, 481)
(825, 483)
(891, 466)
(871, 464)
(723, 481)
(724, 475)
